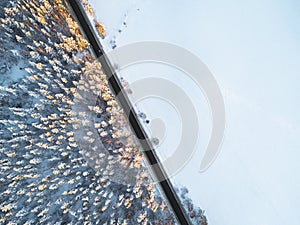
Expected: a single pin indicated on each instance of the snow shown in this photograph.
(252, 48)
(13, 74)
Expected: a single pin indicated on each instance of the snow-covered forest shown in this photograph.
(66, 150)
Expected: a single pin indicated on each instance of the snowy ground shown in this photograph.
(13, 74)
(252, 48)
